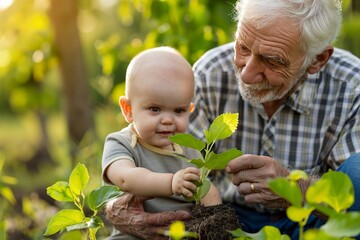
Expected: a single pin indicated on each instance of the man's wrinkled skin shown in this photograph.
(258, 170)
(127, 215)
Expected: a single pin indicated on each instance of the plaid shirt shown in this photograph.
(316, 129)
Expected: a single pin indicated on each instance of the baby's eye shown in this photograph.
(154, 109)
(180, 110)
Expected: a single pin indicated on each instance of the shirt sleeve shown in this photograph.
(115, 148)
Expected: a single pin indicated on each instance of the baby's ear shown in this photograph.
(125, 108)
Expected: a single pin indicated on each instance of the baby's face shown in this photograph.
(162, 105)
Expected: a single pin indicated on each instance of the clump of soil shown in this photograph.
(212, 222)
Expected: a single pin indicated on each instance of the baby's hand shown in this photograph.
(183, 181)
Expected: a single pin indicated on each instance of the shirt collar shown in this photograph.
(302, 99)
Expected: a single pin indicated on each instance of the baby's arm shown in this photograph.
(139, 180)
(213, 197)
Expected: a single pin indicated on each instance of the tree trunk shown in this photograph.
(355, 4)
(63, 14)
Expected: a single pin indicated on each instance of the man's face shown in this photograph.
(268, 61)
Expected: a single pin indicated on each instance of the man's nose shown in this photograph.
(252, 71)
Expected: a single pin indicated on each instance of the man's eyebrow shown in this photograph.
(276, 58)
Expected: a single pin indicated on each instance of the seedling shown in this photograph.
(222, 127)
(73, 191)
(332, 195)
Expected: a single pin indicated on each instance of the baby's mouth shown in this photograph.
(166, 133)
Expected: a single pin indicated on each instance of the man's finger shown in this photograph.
(164, 218)
(240, 163)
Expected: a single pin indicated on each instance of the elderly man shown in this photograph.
(299, 108)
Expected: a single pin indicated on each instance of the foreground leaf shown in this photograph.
(60, 191)
(296, 175)
(334, 189)
(78, 179)
(292, 194)
(343, 225)
(317, 234)
(299, 214)
(63, 219)
(267, 232)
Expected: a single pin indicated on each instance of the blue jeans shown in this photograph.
(252, 221)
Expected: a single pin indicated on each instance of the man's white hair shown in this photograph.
(319, 21)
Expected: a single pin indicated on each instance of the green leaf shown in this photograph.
(334, 189)
(102, 195)
(299, 214)
(287, 189)
(63, 219)
(343, 225)
(93, 222)
(60, 191)
(8, 180)
(197, 162)
(79, 226)
(188, 140)
(296, 175)
(325, 209)
(79, 178)
(3, 233)
(222, 127)
(7, 193)
(204, 189)
(219, 161)
(316, 234)
(267, 232)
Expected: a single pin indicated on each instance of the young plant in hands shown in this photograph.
(70, 219)
(222, 127)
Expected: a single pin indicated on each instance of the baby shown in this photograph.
(140, 158)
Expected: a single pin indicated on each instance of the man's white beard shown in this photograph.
(263, 92)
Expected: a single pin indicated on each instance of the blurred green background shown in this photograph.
(62, 68)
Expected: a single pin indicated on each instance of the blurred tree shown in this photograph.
(355, 5)
(63, 14)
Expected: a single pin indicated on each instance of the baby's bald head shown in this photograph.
(162, 62)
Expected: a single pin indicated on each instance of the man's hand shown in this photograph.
(127, 214)
(251, 174)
